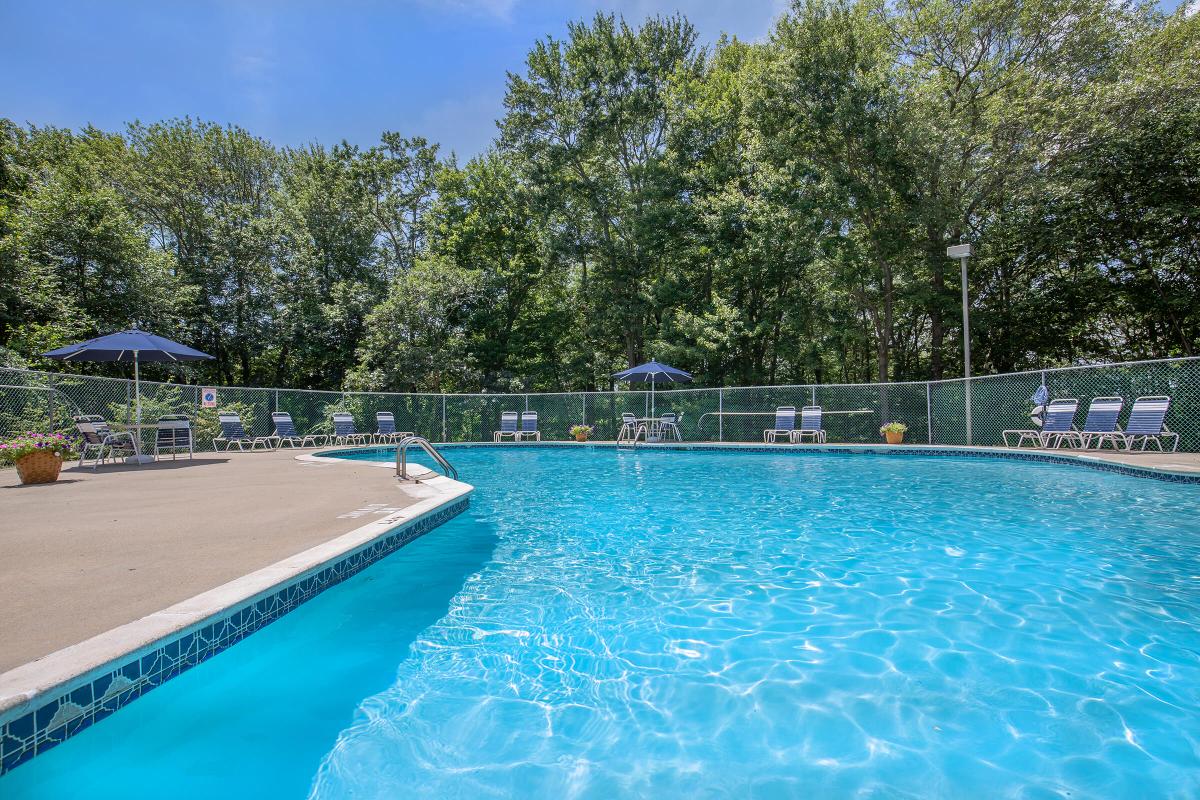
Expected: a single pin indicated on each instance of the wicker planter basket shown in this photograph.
(39, 467)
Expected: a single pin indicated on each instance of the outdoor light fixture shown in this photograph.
(962, 252)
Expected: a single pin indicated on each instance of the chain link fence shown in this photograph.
(936, 412)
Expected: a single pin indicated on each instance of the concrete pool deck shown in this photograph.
(101, 549)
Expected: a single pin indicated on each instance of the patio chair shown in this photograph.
(668, 425)
(385, 428)
(234, 433)
(1147, 423)
(631, 429)
(508, 427)
(173, 434)
(1058, 427)
(529, 428)
(1100, 425)
(785, 423)
(286, 433)
(101, 441)
(810, 426)
(345, 432)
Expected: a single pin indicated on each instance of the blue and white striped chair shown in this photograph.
(529, 427)
(785, 424)
(508, 427)
(1058, 427)
(810, 426)
(1147, 423)
(385, 428)
(173, 434)
(1100, 425)
(344, 431)
(286, 433)
(234, 433)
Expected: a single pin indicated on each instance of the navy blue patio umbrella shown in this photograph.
(132, 345)
(653, 372)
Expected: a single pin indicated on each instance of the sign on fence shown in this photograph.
(208, 397)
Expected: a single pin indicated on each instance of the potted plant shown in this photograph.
(581, 432)
(38, 456)
(894, 432)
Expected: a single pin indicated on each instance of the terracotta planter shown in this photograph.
(39, 467)
(581, 437)
(894, 437)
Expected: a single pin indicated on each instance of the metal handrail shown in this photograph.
(423, 443)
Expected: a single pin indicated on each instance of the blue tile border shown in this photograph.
(59, 717)
(802, 450)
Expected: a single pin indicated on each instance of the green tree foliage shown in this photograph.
(766, 212)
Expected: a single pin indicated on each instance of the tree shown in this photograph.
(589, 118)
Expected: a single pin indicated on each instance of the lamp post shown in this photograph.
(962, 252)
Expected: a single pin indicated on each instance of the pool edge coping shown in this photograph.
(54, 679)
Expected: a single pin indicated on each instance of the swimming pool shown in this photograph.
(607, 623)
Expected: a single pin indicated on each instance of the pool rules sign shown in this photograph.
(208, 397)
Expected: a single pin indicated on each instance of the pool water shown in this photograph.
(708, 624)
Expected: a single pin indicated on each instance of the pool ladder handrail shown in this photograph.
(424, 444)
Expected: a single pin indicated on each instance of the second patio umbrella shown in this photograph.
(653, 372)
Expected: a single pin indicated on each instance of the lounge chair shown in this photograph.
(1100, 426)
(508, 427)
(1147, 423)
(785, 423)
(529, 428)
(631, 429)
(344, 431)
(810, 426)
(1058, 427)
(102, 441)
(234, 433)
(173, 434)
(668, 425)
(286, 433)
(385, 428)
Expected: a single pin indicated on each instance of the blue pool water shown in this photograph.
(606, 624)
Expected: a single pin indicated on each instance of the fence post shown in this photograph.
(584, 395)
(814, 394)
(50, 405)
(928, 413)
(443, 418)
(721, 414)
(276, 400)
(967, 398)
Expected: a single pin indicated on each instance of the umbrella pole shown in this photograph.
(651, 398)
(137, 391)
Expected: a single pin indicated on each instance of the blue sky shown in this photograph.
(301, 71)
